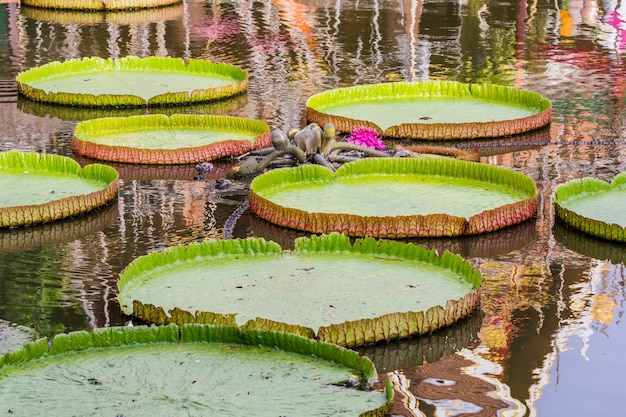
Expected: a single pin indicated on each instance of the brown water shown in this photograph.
(550, 340)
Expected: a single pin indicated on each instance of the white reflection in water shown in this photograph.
(596, 308)
(492, 373)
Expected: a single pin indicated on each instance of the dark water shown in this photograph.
(550, 339)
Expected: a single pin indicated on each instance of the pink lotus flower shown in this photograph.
(366, 136)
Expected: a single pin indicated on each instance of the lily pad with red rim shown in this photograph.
(594, 206)
(98, 82)
(177, 139)
(326, 288)
(395, 198)
(193, 370)
(434, 110)
(40, 188)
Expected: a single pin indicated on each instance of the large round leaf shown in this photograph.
(99, 4)
(431, 110)
(178, 139)
(97, 82)
(395, 197)
(39, 188)
(325, 288)
(194, 371)
(66, 16)
(594, 206)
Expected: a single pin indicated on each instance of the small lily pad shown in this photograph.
(97, 82)
(395, 197)
(594, 206)
(13, 336)
(325, 288)
(189, 371)
(177, 139)
(39, 188)
(435, 110)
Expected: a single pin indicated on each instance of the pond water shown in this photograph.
(550, 339)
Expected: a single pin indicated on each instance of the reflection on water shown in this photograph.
(553, 301)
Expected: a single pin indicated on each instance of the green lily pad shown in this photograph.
(435, 110)
(13, 336)
(395, 197)
(594, 206)
(99, 4)
(325, 288)
(65, 16)
(97, 82)
(39, 188)
(177, 139)
(192, 371)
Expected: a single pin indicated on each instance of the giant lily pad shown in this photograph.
(178, 139)
(434, 110)
(325, 288)
(39, 188)
(99, 4)
(97, 82)
(120, 17)
(395, 197)
(201, 371)
(594, 206)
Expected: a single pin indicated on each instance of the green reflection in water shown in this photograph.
(35, 292)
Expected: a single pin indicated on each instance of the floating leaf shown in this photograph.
(40, 188)
(435, 110)
(98, 82)
(177, 139)
(66, 15)
(327, 288)
(195, 370)
(99, 4)
(395, 197)
(594, 206)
